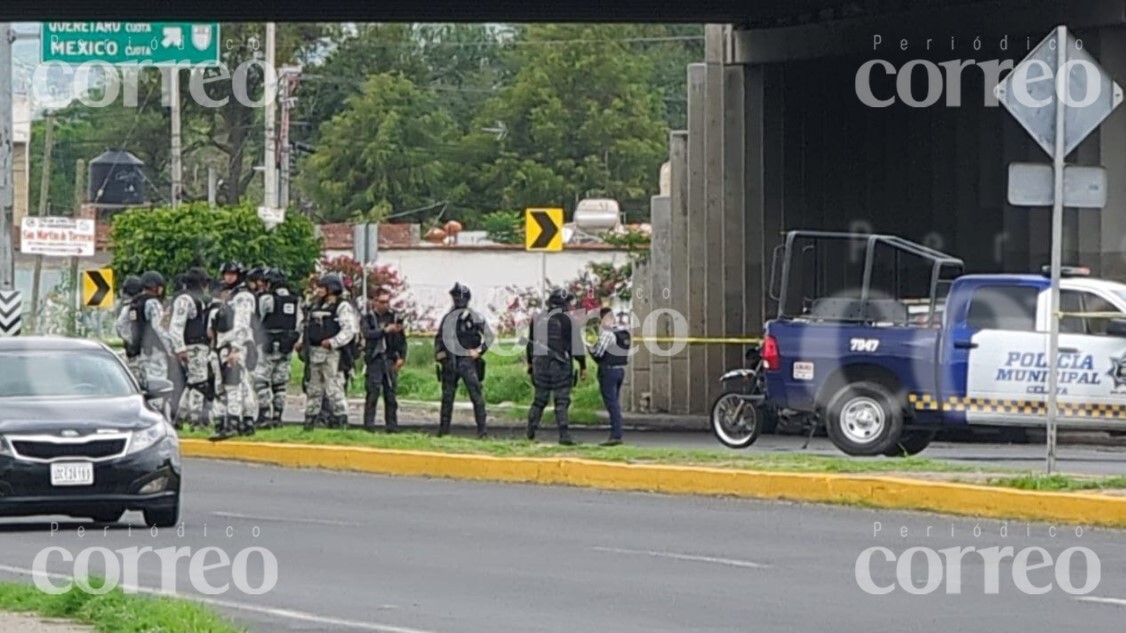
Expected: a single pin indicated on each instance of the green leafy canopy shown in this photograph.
(170, 241)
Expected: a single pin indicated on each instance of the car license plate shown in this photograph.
(72, 474)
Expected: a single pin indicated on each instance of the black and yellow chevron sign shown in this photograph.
(97, 288)
(543, 230)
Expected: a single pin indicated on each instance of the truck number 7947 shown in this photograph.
(864, 344)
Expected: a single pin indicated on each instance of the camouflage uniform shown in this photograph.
(336, 317)
(240, 401)
(274, 362)
(189, 334)
(124, 329)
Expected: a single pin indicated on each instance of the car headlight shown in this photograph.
(145, 438)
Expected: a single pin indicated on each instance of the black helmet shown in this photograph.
(275, 277)
(332, 283)
(233, 267)
(461, 295)
(179, 283)
(258, 273)
(132, 286)
(152, 280)
(195, 279)
(558, 298)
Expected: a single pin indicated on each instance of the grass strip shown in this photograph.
(115, 611)
(782, 462)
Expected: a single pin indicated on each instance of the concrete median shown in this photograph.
(900, 493)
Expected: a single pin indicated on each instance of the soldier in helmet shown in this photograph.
(191, 312)
(129, 291)
(459, 348)
(330, 326)
(279, 310)
(149, 340)
(237, 353)
(554, 345)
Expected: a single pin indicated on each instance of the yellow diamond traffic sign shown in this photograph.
(97, 288)
(543, 230)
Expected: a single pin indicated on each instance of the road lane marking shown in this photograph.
(1115, 601)
(699, 559)
(248, 517)
(241, 606)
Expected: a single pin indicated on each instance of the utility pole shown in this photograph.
(177, 163)
(7, 262)
(290, 78)
(79, 201)
(44, 190)
(271, 166)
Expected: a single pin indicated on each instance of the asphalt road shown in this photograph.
(401, 555)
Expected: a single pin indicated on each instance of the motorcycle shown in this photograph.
(740, 414)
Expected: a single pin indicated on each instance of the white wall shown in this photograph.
(489, 273)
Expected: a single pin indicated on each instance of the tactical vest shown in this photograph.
(195, 329)
(284, 316)
(468, 331)
(281, 324)
(324, 323)
(617, 355)
(143, 337)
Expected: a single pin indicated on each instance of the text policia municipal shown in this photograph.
(946, 77)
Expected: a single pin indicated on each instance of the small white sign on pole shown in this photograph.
(57, 236)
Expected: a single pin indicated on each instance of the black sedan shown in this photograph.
(78, 436)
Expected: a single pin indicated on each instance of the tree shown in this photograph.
(234, 128)
(387, 151)
(583, 119)
(171, 241)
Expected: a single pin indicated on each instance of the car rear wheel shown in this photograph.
(163, 517)
(864, 419)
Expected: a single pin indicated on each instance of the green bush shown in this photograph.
(170, 241)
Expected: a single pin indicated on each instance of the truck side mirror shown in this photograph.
(1116, 327)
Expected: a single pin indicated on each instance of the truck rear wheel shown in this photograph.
(864, 419)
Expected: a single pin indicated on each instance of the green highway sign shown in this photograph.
(129, 43)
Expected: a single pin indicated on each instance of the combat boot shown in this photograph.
(276, 422)
(310, 423)
(224, 429)
(263, 421)
(565, 438)
(342, 422)
(443, 428)
(247, 427)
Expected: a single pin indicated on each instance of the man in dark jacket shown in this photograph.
(554, 344)
(385, 353)
(459, 348)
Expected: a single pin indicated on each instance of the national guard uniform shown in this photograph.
(279, 310)
(553, 346)
(192, 347)
(124, 327)
(459, 348)
(237, 354)
(331, 325)
(149, 340)
(385, 350)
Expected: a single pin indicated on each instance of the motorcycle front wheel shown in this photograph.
(735, 420)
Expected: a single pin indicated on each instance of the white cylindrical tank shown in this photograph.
(597, 214)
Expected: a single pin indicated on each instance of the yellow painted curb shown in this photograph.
(868, 490)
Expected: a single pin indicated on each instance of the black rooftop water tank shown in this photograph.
(116, 179)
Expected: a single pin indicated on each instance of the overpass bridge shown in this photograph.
(867, 117)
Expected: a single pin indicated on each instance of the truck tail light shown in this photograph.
(771, 359)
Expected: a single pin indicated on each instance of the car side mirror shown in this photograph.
(159, 388)
(1116, 327)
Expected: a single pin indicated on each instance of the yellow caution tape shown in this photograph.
(698, 340)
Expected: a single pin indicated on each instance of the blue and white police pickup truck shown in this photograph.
(883, 375)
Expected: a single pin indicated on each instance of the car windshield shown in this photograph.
(36, 374)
